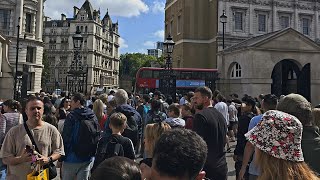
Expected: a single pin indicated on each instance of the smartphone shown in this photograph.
(29, 149)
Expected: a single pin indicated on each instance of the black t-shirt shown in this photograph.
(211, 126)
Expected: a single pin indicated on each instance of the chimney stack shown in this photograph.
(75, 11)
(63, 17)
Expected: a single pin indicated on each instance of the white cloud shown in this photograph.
(159, 34)
(158, 7)
(149, 44)
(123, 8)
(123, 43)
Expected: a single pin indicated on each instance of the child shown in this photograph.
(116, 144)
(174, 119)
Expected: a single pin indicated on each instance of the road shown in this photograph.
(231, 170)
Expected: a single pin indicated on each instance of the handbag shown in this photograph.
(52, 170)
(38, 174)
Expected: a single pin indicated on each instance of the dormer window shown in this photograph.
(54, 24)
(82, 17)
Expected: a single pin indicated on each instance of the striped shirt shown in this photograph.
(7, 121)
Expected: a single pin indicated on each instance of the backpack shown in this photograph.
(155, 118)
(87, 135)
(108, 147)
(132, 129)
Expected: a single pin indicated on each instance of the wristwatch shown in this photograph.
(50, 159)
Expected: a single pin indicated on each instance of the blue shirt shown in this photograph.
(253, 169)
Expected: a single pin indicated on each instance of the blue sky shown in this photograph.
(141, 22)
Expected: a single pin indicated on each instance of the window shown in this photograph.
(238, 20)
(4, 19)
(262, 22)
(86, 29)
(236, 71)
(54, 24)
(30, 54)
(292, 75)
(30, 80)
(306, 26)
(146, 74)
(28, 22)
(179, 25)
(284, 21)
(82, 17)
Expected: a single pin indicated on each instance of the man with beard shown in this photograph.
(211, 126)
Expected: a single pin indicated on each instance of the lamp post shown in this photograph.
(15, 90)
(77, 73)
(223, 20)
(167, 83)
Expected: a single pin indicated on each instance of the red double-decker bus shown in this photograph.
(187, 79)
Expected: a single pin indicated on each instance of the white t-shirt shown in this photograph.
(223, 109)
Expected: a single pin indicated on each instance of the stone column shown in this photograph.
(296, 16)
(251, 17)
(274, 16)
(316, 23)
(19, 13)
(39, 22)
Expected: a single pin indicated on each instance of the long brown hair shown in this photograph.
(274, 169)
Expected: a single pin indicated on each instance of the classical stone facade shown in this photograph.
(100, 49)
(6, 76)
(280, 62)
(29, 15)
(257, 17)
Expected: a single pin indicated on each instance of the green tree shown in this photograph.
(45, 71)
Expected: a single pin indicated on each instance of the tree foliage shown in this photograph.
(45, 77)
(130, 63)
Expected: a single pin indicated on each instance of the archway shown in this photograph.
(288, 78)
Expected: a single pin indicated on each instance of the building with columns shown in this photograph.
(100, 48)
(28, 14)
(6, 76)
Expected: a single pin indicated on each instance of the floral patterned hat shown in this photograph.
(279, 135)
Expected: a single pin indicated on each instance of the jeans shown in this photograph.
(78, 171)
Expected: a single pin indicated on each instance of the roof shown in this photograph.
(88, 7)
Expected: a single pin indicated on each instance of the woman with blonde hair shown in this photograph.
(98, 109)
(152, 132)
(277, 141)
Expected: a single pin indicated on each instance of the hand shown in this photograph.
(241, 173)
(235, 158)
(43, 159)
(145, 171)
(26, 157)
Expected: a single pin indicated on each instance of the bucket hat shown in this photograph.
(278, 134)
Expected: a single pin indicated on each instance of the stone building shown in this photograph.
(247, 66)
(100, 49)
(28, 14)
(6, 76)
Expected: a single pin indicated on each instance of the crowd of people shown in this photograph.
(94, 137)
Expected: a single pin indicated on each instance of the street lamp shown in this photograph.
(77, 74)
(167, 84)
(223, 20)
(15, 88)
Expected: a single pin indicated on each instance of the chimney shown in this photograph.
(63, 17)
(75, 11)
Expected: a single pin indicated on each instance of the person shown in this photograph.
(277, 141)
(179, 154)
(222, 107)
(120, 168)
(74, 166)
(105, 150)
(164, 105)
(98, 110)
(183, 99)
(247, 108)
(316, 116)
(133, 130)
(233, 120)
(62, 112)
(46, 136)
(186, 113)
(269, 102)
(299, 107)
(212, 127)
(111, 95)
(174, 119)
(10, 118)
(154, 115)
(152, 134)
(58, 101)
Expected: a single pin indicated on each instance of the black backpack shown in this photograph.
(107, 148)
(132, 129)
(155, 118)
(88, 135)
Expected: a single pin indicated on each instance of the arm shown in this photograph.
(67, 132)
(12, 160)
(248, 152)
(130, 150)
(3, 122)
